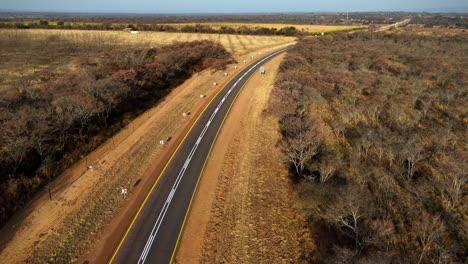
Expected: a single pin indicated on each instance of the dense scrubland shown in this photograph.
(374, 128)
(328, 18)
(247, 24)
(441, 20)
(283, 18)
(52, 118)
(292, 24)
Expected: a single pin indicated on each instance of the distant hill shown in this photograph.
(3, 10)
(455, 9)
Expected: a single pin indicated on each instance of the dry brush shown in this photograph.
(386, 182)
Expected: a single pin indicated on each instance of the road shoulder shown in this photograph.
(244, 210)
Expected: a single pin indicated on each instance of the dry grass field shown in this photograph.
(26, 53)
(304, 28)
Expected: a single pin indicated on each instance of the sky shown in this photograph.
(236, 6)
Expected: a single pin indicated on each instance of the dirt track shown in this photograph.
(253, 216)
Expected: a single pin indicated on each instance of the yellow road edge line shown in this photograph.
(203, 169)
(164, 170)
(172, 156)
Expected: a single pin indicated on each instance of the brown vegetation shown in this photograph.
(386, 115)
(109, 21)
(45, 128)
(205, 28)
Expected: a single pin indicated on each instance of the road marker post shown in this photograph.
(112, 258)
(172, 260)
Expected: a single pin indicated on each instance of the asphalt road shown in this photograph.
(153, 236)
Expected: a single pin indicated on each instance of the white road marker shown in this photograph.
(181, 174)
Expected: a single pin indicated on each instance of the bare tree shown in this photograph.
(350, 215)
(302, 139)
(14, 140)
(366, 142)
(443, 256)
(76, 109)
(379, 150)
(373, 106)
(412, 155)
(108, 93)
(429, 230)
(351, 221)
(283, 102)
(452, 181)
(327, 168)
(38, 128)
(326, 171)
(16, 149)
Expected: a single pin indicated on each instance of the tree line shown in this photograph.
(374, 131)
(292, 18)
(340, 18)
(45, 126)
(197, 28)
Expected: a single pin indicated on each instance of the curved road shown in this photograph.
(154, 234)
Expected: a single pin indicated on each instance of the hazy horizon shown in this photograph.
(239, 6)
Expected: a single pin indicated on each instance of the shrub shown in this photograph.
(44, 128)
(387, 114)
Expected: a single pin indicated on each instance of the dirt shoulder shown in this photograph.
(244, 210)
(87, 211)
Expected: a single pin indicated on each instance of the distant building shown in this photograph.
(131, 30)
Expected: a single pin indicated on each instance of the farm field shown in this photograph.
(26, 53)
(304, 28)
(52, 23)
(214, 25)
(87, 38)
